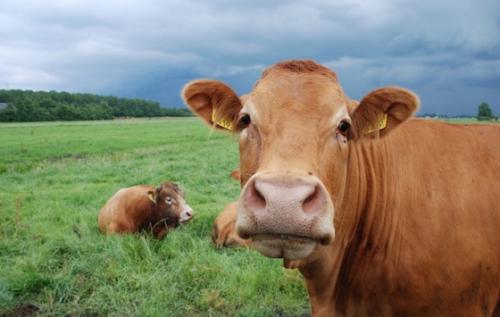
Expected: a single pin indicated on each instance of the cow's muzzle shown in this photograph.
(285, 216)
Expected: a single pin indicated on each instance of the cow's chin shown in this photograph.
(283, 246)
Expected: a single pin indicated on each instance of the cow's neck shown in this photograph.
(362, 227)
(366, 217)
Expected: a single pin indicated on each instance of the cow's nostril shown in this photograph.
(188, 214)
(254, 198)
(312, 202)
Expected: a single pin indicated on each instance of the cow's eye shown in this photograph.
(244, 121)
(169, 200)
(344, 126)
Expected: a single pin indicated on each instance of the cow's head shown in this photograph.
(170, 205)
(295, 128)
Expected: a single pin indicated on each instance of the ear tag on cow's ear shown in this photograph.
(223, 123)
(382, 123)
(151, 196)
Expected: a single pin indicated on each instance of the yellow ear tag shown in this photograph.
(381, 125)
(223, 123)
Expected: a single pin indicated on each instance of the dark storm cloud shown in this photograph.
(447, 51)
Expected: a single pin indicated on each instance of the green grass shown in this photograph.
(54, 177)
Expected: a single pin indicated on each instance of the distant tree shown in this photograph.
(9, 114)
(484, 112)
(66, 112)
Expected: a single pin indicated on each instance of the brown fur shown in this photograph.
(131, 210)
(416, 203)
(235, 174)
(301, 67)
(223, 229)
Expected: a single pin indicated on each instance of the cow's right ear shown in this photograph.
(152, 195)
(214, 102)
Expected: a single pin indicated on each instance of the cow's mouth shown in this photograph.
(289, 247)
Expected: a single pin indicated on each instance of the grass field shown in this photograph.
(54, 177)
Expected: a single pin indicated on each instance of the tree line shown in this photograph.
(27, 105)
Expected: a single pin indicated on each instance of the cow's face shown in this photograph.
(295, 130)
(170, 204)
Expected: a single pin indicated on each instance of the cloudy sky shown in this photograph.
(447, 51)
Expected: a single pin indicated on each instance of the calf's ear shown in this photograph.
(214, 102)
(152, 195)
(177, 189)
(382, 110)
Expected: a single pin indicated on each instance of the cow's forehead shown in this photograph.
(311, 94)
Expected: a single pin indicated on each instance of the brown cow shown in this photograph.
(414, 203)
(144, 207)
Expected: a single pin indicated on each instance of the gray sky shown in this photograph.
(447, 51)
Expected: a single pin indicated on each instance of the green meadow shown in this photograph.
(54, 177)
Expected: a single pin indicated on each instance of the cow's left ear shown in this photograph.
(382, 110)
(214, 102)
(152, 195)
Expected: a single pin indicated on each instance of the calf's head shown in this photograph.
(295, 130)
(169, 204)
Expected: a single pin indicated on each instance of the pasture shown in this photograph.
(54, 177)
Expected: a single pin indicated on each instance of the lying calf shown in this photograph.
(144, 207)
